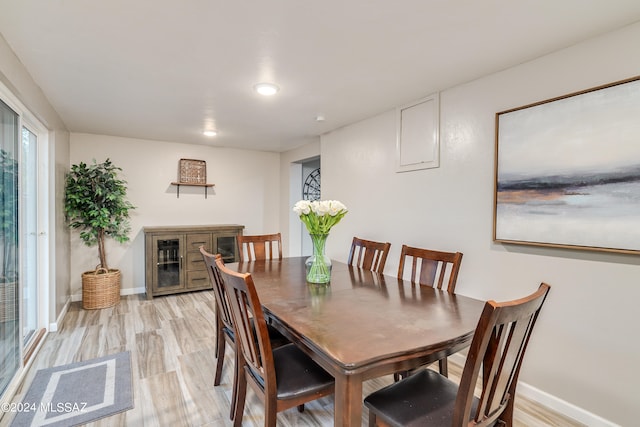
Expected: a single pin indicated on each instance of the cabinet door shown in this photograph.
(226, 245)
(168, 254)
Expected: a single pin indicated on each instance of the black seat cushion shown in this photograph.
(276, 338)
(297, 374)
(425, 398)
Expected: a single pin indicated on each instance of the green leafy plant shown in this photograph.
(96, 204)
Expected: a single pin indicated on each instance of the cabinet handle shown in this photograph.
(180, 262)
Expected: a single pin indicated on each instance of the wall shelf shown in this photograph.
(187, 184)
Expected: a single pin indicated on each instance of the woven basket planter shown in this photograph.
(8, 302)
(100, 289)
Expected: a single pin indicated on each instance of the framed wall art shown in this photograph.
(192, 171)
(567, 171)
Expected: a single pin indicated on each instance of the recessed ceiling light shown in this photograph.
(266, 89)
(209, 133)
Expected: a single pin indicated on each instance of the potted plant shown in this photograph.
(96, 204)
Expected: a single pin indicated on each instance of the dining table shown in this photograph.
(362, 325)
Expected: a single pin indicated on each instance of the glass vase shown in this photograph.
(318, 265)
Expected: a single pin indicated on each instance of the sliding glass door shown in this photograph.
(23, 237)
(9, 266)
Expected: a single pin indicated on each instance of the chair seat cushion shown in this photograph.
(425, 398)
(276, 338)
(297, 374)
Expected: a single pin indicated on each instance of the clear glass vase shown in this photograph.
(318, 265)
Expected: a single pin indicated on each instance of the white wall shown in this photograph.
(585, 350)
(247, 192)
(291, 189)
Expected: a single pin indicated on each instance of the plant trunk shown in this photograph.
(102, 253)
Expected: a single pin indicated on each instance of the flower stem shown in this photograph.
(320, 269)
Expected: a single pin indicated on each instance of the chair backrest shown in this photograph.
(222, 301)
(368, 254)
(498, 345)
(259, 247)
(430, 268)
(252, 336)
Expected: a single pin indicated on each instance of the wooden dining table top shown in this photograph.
(362, 325)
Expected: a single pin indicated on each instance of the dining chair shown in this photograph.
(225, 332)
(427, 398)
(368, 254)
(259, 247)
(283, 377)
(431, 268)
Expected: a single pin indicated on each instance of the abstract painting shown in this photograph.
(568, 171)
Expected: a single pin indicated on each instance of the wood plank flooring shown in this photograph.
(171, 340)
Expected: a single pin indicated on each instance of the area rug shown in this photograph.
(77, 393)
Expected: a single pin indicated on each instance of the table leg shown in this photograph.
(348, 401)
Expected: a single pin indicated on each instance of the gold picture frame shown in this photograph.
(567, 171)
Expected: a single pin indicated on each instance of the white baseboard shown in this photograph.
(551, 402)
(53, 327)
(133, 291)
(127, 291)
(565, 408)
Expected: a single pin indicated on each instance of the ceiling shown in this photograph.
(167, 70)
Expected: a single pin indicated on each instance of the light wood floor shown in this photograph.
(171, 340)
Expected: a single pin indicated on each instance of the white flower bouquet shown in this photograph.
(320, 215)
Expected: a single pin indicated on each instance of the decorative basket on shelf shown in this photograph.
(193, 171)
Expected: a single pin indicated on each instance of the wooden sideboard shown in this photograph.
(173, 262)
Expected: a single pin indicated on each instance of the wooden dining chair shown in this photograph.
(225, 332)
(283, 377)
(498, 346)
(259, 247)
(368, 254)
(431, 268)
